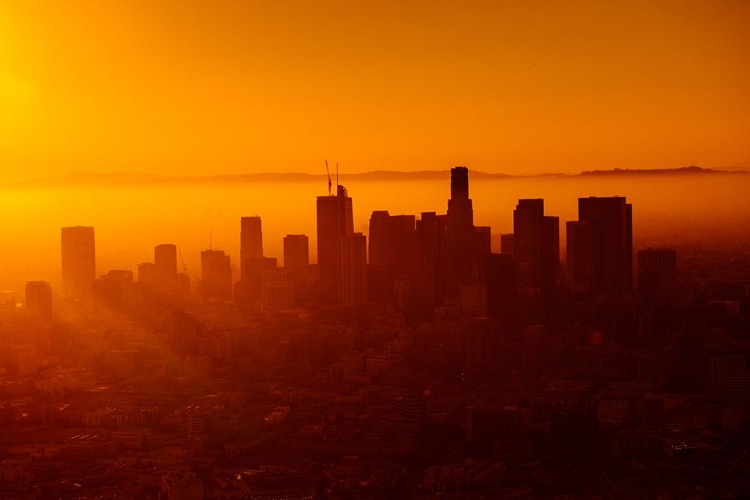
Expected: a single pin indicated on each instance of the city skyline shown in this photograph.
(426, 250)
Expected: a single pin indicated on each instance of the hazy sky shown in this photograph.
(199, 87)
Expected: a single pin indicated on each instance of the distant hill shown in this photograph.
(666, 171)
(125, 179)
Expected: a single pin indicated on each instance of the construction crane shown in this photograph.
(328, 173)
(184, 267)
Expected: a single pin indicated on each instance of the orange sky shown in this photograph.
(198, 87)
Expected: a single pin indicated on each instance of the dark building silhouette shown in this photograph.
(296, 252)
(657, 274)
(296, 262)
(165, 259)
(460, 233)
(39, 300)
(216, 275)
(251, 240)
(429, 281)
(352, 270)
(78, 261)
(392, 250)
(537, 253)
(334, 219)
(601, 249)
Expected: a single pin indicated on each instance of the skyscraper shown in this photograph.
(78, 261)
(296, 252)
(610, 223)
(352, 270)
(39, 300)
(429, 282)
(165, 259)
(251, 240)
(334, 219)
(216, 275)
(460, 232)
(537, 253)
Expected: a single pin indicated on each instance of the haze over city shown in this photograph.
(374, 250)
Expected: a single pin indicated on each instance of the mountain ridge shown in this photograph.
(119, 178)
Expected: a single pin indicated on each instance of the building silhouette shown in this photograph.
(600, 247)
(216, 275)
(251, 240)
(165, 260)
(352, 270)
(39, 300)
(296, 252)
(460, 233)
(334, 219)
(430, 272)
(536, 249)
(78, 261)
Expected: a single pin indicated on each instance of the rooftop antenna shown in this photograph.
(329, 178)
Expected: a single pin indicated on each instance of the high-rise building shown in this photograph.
(607, 242)
(216, 275)
(429, 282)
(460, 233)
(78, 261)
(334, 219)
(296, 252)
(251, 240)
(252, 279)
(165, 259)
(537, 252)
(39, 300)
(719, 366)
(482, 249)
(352, 270)
(657, 274)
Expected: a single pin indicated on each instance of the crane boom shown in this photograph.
(328, 173)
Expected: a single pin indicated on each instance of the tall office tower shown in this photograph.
(379, 275)
(39, 300)
(537, 253)
(429, 280)
(460, 233)
(334, 219)
(216, 275)
(165, 259)
(296, 252)
(657, 274)
(78, 261)
(502, 287)
(507, 244)
(378, 241)
(352, 270)
(147, 272)
(611, 237)
(251, 240)
(296, 262)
